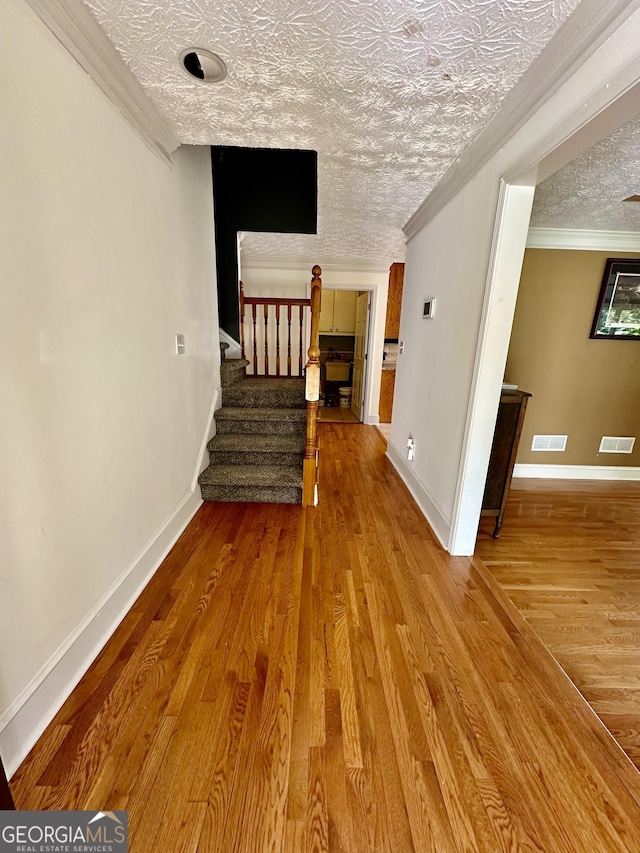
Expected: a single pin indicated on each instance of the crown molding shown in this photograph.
(574, 238)
(286, 262)
(586, 29)
(77, 30)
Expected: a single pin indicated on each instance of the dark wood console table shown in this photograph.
(6, 800)
(506, 438)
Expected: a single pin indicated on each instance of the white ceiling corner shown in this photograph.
(75, 27)
(388, 94)
(588, 193)
(583, 239)
(589, 26)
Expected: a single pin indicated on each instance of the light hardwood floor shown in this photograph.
(569, 559)
(330, 680)
(337, 415)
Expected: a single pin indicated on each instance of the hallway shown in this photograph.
(329, 679)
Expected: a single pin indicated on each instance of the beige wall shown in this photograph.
(582, 388)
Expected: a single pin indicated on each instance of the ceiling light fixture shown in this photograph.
(203, 65)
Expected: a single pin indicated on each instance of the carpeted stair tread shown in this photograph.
(261, 421)
(232, 371)
(248, 449)
(288, 383)
(238, 413)
(253, 494)
(265, 393)
(232, 442)
(257, 454)
(235, 363)
(271, 476)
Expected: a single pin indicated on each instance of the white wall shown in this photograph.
(433, 375)
(279, 277)
(448, 380)
(105, 253)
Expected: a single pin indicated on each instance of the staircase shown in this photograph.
(258, 451)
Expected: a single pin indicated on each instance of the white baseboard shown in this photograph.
(32, 710)
(203, 455)
(577, 472)
(438, 522)
(371, 420)
(234, 347)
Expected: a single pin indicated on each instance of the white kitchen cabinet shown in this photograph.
(338, 312)
(326, 312)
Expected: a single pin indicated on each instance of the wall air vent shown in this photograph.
(549, 442)
(632, 198)
(615, 444)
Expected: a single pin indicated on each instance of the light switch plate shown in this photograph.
(180, 348)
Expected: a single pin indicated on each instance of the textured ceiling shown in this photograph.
(589, 191)
(388, 92)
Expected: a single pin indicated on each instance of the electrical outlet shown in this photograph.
(411, 449)
(401, 348)
(180, 348)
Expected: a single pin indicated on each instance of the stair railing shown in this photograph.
(265, 329)
(312, 394)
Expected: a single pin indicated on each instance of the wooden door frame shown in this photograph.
(367, 331)
(375, 338)
(517, 189)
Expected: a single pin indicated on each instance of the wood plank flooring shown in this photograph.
(337, 415)
(329, 679)
(569, 559)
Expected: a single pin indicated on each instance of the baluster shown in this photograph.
(255, 341)
(242, 320)
(288, 340)
(301, 315)
(277, 340)
(266, 340)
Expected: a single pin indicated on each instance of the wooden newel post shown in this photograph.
(312, 394)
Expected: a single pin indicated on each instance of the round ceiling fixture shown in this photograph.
(203, 65)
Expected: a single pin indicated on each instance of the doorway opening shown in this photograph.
(344, 337)
(581, 261)
(544, 156)
(572, 520)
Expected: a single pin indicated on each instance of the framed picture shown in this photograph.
(618, 311)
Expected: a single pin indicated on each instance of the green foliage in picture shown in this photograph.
(618, 312)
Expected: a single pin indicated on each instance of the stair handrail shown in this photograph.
(253, 302)
(312, 395)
